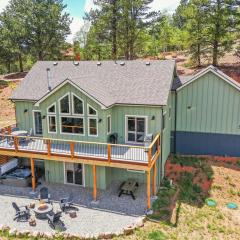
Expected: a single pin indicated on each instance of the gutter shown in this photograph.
(161, 147)
(175, 125)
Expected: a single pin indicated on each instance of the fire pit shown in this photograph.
(42, 210)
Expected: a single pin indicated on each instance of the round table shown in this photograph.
(42, 213)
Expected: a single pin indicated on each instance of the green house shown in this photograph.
(93, 123)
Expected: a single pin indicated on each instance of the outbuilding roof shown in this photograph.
(109, 83)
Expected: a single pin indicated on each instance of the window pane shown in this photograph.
(38, 123)
(91, 111)
(109, 124)
(64, 105)
(78, 174)
(131, 137)
(69, 176)
(52, 123)
(140, 124)
(77, 105)
(52, 109)
(72, 125)
(140, 137)
(93, 126)
(131, 124)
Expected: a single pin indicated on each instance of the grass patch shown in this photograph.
(189, 191)
(156, 235)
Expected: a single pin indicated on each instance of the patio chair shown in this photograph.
(53, 219)
(44, 195)
(21, 212)
(66, 202)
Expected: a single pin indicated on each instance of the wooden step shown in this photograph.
(3, 159)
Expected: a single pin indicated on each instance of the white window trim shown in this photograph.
(90, 115)
(69, 103)
(70, 116)
(52, 113)
(72, 102)
(73, 184)
(34, 129)
(48, 125)
(110, 128)
(126, 127)
(89, 126)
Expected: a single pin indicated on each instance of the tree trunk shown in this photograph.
(114, 30)
(40, 55)
(8, 66)
(199, 55)
(215, 53)
(20, 62)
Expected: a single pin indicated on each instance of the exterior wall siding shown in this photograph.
(208, 144)
(209, 105)
(208, 118)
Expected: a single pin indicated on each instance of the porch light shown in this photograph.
(100, 120)
(25, 110)
(43, 117)
(153, 117)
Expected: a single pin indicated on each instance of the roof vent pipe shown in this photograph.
(122, 63)
(148, 63)
(49, 79)
(99, 63)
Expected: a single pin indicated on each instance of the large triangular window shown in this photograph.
(65, 105)
(77, 105)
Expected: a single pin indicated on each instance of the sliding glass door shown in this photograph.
(135, 129)
(74, 173)
(37, 121)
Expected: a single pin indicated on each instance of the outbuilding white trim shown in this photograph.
(215, 71)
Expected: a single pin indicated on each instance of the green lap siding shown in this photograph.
(208, 105)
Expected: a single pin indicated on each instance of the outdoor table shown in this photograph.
(19, 133)
(128, 188)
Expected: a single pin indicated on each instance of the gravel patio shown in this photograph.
(110, 215)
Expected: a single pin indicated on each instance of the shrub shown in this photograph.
(156, 235)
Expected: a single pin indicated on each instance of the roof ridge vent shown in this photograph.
(148, 63)
(55, 63)
(122, 63)
(99, 64)
(75, 63)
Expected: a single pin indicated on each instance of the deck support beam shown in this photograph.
(149, 189)
(154, 176)
(94, 183)
(33, 174)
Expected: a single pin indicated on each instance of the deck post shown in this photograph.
(9, 129)
(49, 147)
(15, 140)
(33, 175)
(94, 183)
(72, 149)
(154, 188)
(148, 189)
(149, 156)
(109, 152)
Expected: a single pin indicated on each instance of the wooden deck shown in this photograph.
(91, 153)
(93, 150)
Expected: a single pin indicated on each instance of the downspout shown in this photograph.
(175, 124)
(161, 155)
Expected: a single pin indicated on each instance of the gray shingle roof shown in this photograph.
(109, 84)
